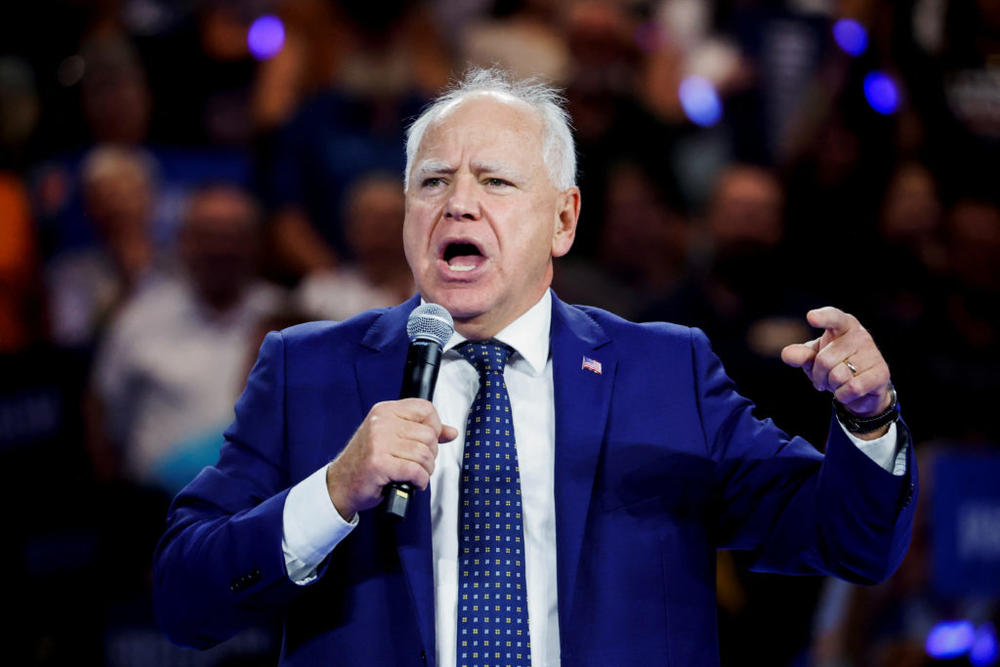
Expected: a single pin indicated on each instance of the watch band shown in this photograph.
(858, 425)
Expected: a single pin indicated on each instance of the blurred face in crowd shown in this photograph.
(745, 222)
(118, 193)
(483, 217)
(116, 104)
(375, 211)
(746, 208)
(912, 210)
(642, 237)
(119, 200)
(974, 243)
(218, 244)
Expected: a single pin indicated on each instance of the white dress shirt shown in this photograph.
(313, 527)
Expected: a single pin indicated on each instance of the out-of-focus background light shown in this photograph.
(266, 37)
(700, 101)
(984, 646)
(881, 92)
(950, 639)
(850, 36)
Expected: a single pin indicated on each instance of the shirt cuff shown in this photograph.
(311, 527)
(882, 450)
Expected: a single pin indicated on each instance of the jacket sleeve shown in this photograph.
(219, 567)
(798, 511)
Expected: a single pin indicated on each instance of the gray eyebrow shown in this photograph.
(498, 169)
(433, 166)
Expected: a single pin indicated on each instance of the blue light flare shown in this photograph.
(266, 37)
(700, 101)
(881, 92)
(984, 647)
(850, 36)
(950, 639)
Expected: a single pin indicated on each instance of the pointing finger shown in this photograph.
(832, 319)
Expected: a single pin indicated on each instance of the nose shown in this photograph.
(463, 201)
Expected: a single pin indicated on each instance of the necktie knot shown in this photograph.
(488, 357)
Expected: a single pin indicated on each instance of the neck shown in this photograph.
(489, 324)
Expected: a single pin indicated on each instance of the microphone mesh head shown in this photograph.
(432, 322)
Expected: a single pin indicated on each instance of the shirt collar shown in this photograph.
(528, 334)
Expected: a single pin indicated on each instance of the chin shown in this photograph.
(462, 307)
(460, 299)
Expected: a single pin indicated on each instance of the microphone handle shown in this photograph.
(423, 360)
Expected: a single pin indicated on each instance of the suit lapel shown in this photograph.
(582, 401)
(379, 370)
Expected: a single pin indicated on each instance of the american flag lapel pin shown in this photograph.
(592, 365)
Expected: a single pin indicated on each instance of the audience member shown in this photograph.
(86, 285)
(642, 249)
(19, 292)
(735, 290)
(383, 60)
(907, 305)
(350, 45)
(612, 124)
(379, 275)
(522, 37)
(890, 624)
(174, 358)
(962, 358)
(18, 267)
(115, 103)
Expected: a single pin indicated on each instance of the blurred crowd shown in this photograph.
(177, 178)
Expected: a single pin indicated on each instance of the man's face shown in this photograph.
(483, 218)
(218, 244)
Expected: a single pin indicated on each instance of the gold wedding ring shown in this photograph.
(851, 367)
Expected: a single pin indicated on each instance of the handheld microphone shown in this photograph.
(429, 328)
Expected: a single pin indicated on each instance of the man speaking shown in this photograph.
(578, 471)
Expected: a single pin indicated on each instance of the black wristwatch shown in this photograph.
(859, 425)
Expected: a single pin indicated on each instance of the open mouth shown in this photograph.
(462, 256)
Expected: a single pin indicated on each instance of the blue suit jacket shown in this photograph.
(658, 463)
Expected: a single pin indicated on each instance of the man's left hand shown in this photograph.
(844, 361)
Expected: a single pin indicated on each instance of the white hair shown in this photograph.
(558, 151)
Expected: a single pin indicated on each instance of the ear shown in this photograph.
(567, 214)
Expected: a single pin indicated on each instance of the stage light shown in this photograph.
(700, 101)
(881, 92)
(850, 36)
(950, 639)
(984, 646)
(266, 37)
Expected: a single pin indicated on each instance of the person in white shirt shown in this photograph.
(174, 359)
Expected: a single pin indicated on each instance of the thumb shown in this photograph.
(448, 433)
(798, 355)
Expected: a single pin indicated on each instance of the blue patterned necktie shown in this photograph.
(492, 600)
